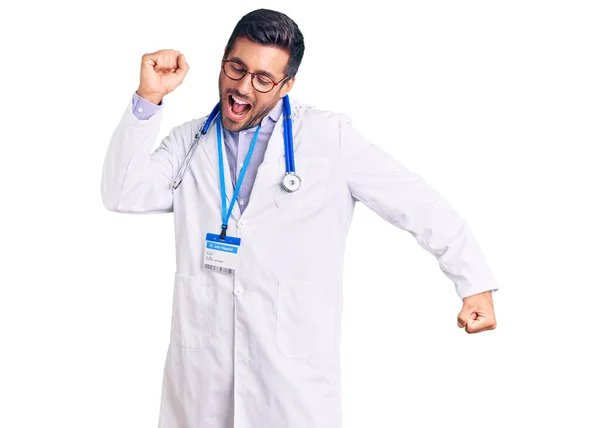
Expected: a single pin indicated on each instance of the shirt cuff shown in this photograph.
(144, 109)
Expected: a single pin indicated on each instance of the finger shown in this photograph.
(474, 326)
(151, 59)
(182, 65)
(165, 60)
(469, 324)
(464, 316)
(173, 56)
(160, 62)
(480, 324)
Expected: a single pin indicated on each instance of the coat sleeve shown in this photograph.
(134, 180)
(405, 200)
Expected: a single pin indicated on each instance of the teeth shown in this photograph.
(239, 101)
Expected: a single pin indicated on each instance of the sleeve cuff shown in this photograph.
(144, 109)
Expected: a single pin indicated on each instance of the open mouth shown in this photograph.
(237, 109)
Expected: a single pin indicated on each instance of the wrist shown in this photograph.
(153, 98)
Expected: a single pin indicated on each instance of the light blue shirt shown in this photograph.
(236, 144)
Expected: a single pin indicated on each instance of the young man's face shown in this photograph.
(270, 62)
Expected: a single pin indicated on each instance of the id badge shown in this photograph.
(221, 255)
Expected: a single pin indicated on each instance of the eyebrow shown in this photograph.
(266, 73)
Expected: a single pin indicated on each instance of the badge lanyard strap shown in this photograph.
(224, 212)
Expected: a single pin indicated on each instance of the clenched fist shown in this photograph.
(477, 313)
(162, 71)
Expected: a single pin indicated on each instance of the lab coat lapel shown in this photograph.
(269, 166)
(270, 171)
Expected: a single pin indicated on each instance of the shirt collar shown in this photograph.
(275, 112)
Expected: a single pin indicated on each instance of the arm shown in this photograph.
(133, 179)
(405, 200)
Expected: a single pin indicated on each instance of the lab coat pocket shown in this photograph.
(307, 319)
(314, 171)
(190, 321)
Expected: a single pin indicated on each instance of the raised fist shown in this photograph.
(161, 72)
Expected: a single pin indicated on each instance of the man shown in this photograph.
(256, 318)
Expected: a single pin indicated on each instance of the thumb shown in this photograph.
(473, 321)
(466, 315)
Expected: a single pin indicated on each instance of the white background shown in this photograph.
(495, 104)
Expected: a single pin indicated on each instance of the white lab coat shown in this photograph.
(261, 349)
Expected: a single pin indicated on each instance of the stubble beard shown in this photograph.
(252, 121)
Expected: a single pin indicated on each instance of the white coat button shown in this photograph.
(140, 109)
(238, 291)
(241, 223)
(242, 202)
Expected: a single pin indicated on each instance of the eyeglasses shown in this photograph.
(260, 81)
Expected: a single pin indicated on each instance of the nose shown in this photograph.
(245, 85)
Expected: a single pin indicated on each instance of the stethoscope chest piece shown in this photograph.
(291, 182)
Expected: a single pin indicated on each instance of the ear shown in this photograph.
(287, 87)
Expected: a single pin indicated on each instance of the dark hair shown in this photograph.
(271, 28)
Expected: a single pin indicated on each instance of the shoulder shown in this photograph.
(323, 118)
(188, 129)
(321, 130)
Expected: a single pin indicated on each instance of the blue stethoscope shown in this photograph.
(291, 181)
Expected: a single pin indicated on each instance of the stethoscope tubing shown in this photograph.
(290, 166)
